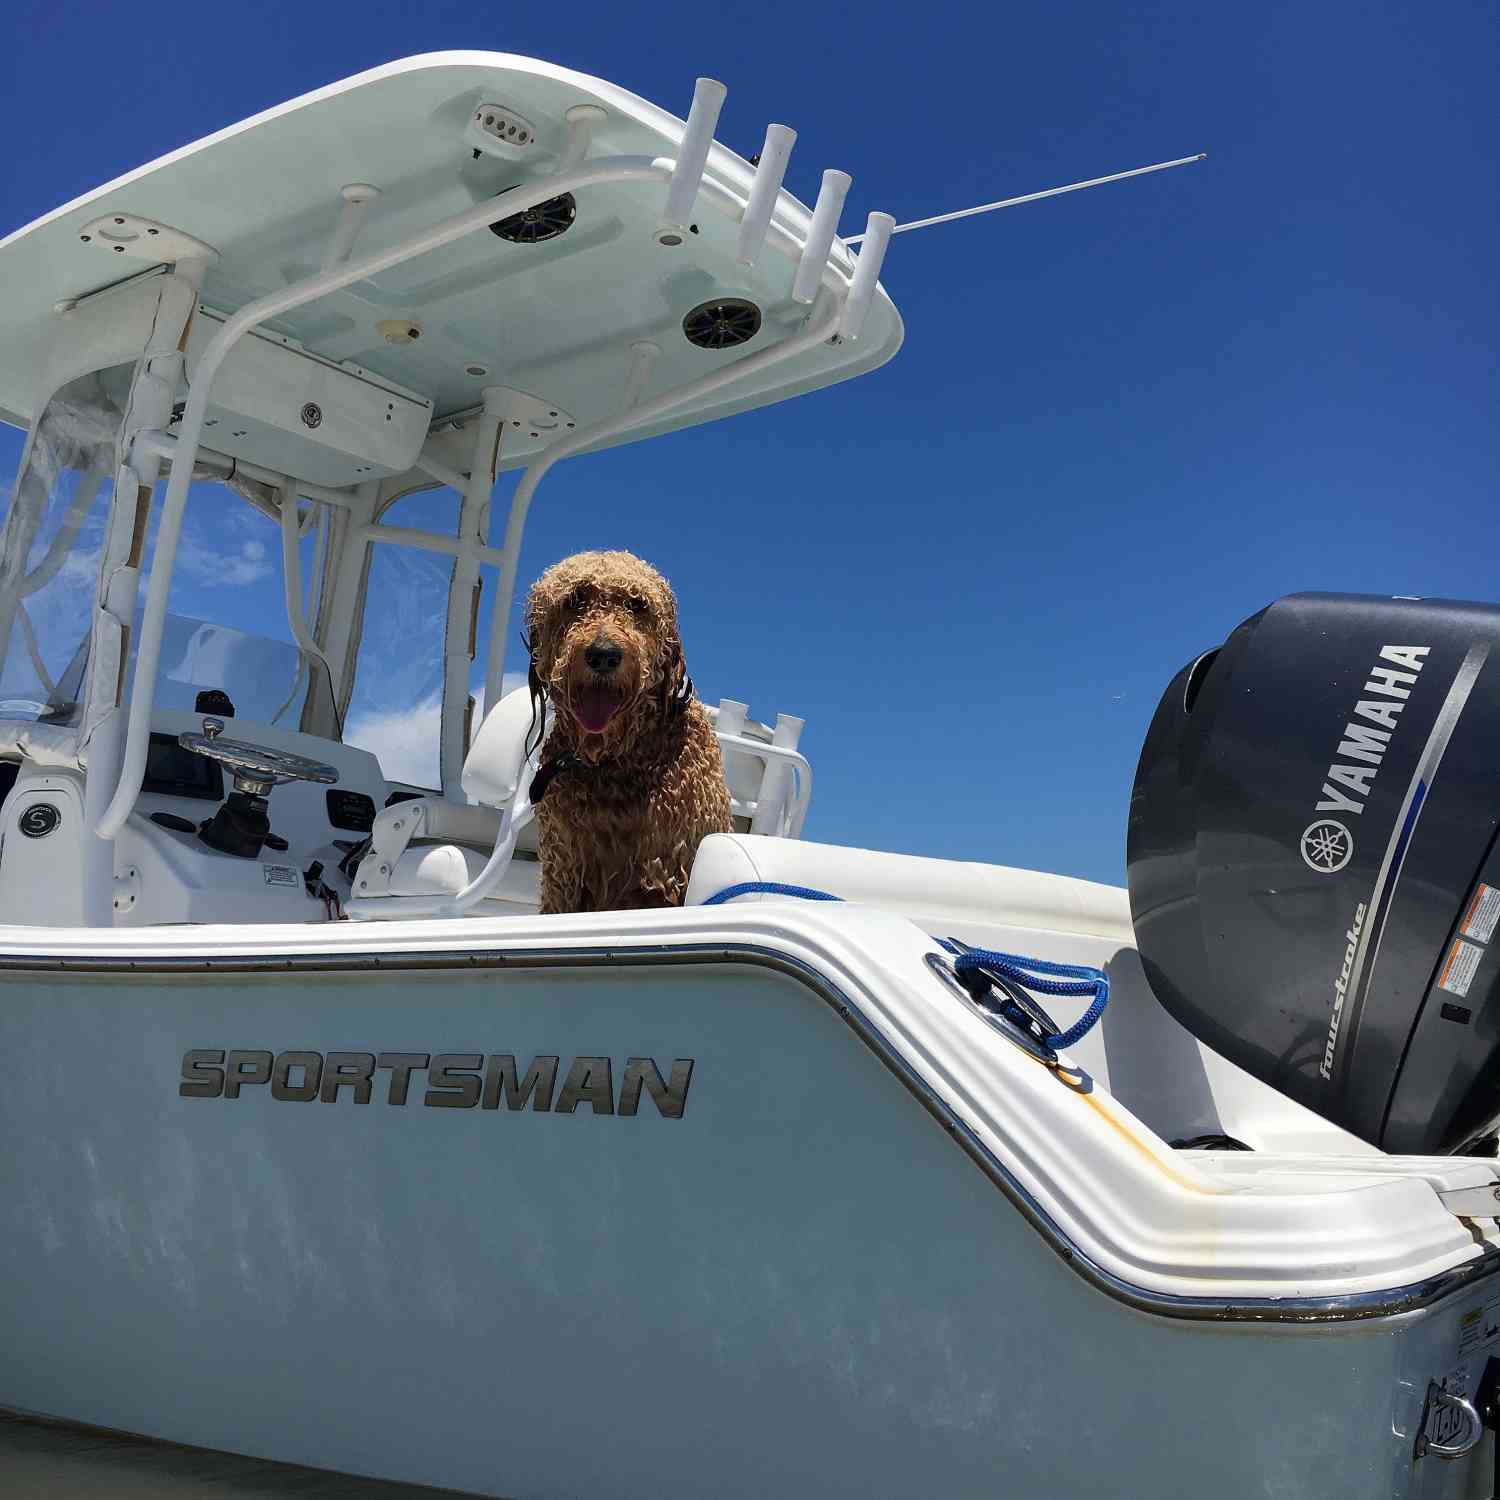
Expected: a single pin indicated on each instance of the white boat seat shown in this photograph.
(497, 757)
(940, 895)
(426, 846)
(430, 846)
(445, 869)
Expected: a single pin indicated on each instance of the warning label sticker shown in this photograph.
(1479, 1328)
(1483, 914)
(1458, 969)
(1470, 1328)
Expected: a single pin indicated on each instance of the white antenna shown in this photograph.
(1072, 187)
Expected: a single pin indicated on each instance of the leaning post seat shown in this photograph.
(430, 846)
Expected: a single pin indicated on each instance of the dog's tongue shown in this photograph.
(594, 707)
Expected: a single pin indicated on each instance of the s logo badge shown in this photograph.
(1327, 846)
(38, 820)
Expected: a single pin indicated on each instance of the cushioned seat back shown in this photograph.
(497, 756)
(943, 896)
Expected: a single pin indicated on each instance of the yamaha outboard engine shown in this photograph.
(1312, 860)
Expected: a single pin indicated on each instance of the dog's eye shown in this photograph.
(577, 600)
(638, 606)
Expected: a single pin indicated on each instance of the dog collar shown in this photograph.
(549, 771)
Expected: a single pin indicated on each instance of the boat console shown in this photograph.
(173, 863)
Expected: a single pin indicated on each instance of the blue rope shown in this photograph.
(1029, 973)
(767, 888)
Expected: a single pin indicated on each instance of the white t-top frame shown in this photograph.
(836, 291)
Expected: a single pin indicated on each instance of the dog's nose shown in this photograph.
(603, 656)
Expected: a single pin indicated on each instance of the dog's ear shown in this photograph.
(537, 732)
(676, 690)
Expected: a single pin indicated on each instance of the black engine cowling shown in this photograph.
(1312, 860)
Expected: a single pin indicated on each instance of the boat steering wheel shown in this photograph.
(255, 768)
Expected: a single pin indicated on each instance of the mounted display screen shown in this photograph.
(172, 771)
(351, 810)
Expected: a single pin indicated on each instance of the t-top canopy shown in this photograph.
(563, 302)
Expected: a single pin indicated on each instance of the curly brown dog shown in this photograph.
(631, 778)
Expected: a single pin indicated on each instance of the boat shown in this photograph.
(858, 1173)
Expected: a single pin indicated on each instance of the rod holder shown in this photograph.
(692, 154)
(825, 223)
(877, 237)
(771, 804)
(769, 173)
(357, 196)
(582, 120)
(731, 718)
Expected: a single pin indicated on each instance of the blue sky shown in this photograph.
(1122, 421)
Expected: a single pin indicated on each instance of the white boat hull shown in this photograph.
(805, 1284)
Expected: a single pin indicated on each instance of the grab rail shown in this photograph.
(796, 813)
